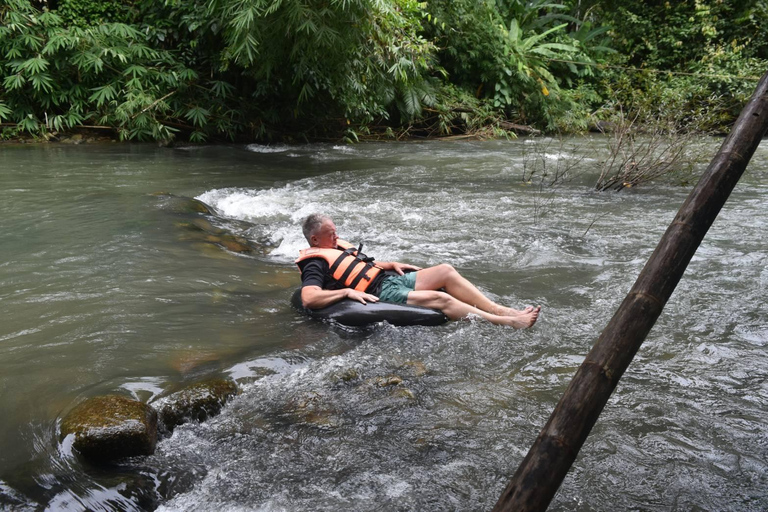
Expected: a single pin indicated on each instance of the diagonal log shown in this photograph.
(540, 474)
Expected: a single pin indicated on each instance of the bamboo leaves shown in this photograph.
(221, 89)
(252, 64)
(103, 94)
(107, 74)
(42, 82)
(14, 82)
(63, 121)
(356, 52)
(354, 59)
(135, 71)
(34, 65)
(198, 116)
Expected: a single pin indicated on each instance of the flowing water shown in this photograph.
(110, 283)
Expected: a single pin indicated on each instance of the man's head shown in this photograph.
(320, 231)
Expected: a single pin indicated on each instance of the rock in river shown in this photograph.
(196, 402)
(111, 427)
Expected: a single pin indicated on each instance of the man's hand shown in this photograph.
(400, 268)
(361, 296)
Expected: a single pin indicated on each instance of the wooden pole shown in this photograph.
(540, 474)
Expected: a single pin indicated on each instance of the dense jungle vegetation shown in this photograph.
(217, 70)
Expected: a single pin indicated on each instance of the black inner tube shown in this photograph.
(356, 314)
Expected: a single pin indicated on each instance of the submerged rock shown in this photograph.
(189, 360)
(196, 402)
(403, 393)
(313, 410)
(235, 245)
(344, 375)
(389, 380)
(230, 242)
(206, 225)
(417, 368)
(111, 427)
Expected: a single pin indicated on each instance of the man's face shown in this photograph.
(326, 236)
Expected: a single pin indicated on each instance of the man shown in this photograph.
(332, 270)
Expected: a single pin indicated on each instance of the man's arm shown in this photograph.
(314, 297)
(397, 267)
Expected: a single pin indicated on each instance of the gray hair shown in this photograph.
(312, 224)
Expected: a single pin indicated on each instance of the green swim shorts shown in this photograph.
(395, 289)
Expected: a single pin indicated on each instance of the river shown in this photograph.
(107, 286)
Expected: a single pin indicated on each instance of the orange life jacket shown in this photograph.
(347, 264)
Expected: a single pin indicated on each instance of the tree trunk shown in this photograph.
(542, 471)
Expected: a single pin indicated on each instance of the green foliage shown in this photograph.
(714, 50)
(459, 111)
(546, 50)
(5, 112)
(518, 54)
(58, 77)
(525, 64)
(361, 57)
(88, 13)
(225, 69)
(468, 36)
(678, 35)
(679, 103)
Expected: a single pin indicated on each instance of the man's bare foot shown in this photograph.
(524, 319)
(505, 311)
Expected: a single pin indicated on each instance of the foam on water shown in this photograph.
(260, 148)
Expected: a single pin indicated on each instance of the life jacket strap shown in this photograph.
(362, 275)
(347, 252)
(361, 256)
(354, 265)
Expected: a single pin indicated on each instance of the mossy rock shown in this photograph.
(198, 206)
(111, 427)
(235, 244)
(200, 226)
(206, 225)
(187, 205)
(196, 402)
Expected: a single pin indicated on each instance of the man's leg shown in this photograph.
(456, 309)
(446, 277)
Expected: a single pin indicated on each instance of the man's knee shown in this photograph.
(446, 269)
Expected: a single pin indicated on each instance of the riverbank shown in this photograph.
(104, 134)
(75, 137)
